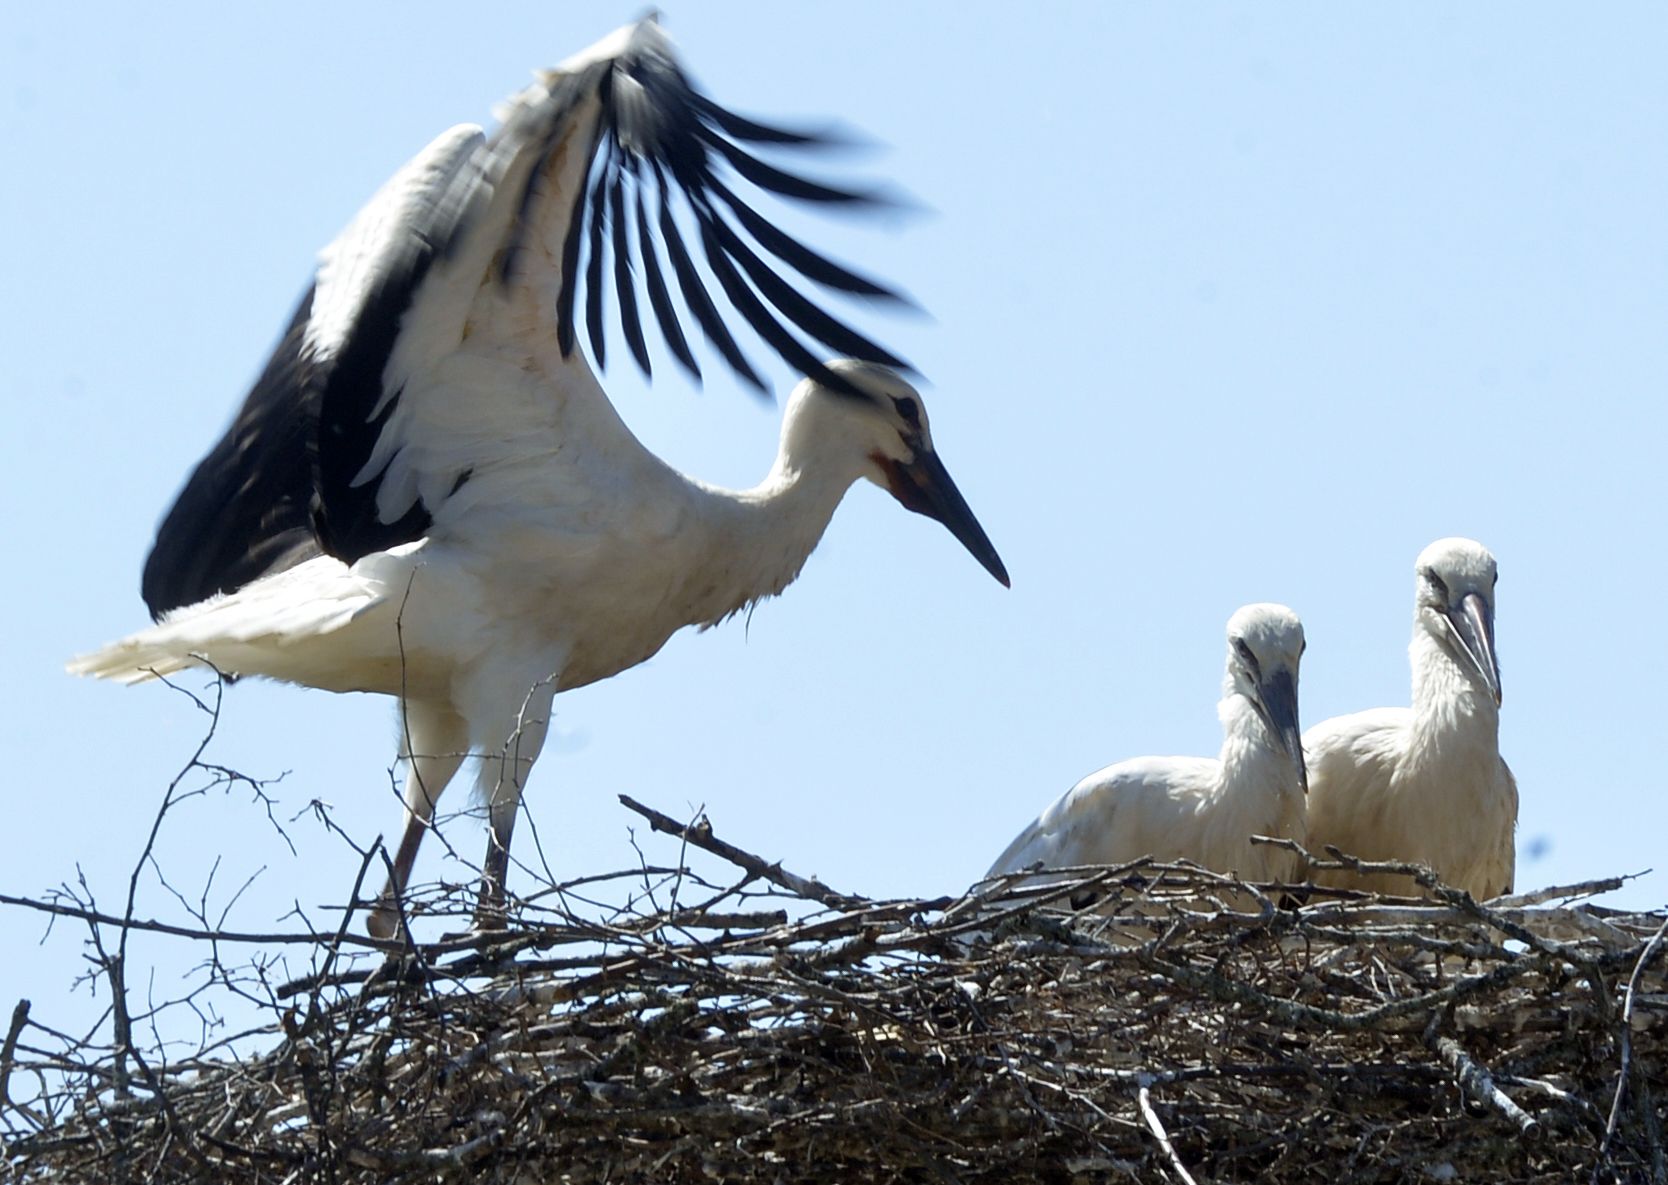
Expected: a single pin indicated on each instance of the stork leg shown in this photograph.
(502, 780)
(433, 742)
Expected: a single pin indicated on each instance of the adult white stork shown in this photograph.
(1197, 808)
(428, 495)
(1426, 783)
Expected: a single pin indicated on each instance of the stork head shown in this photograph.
(1454, 603)
(881, 427)
(1265, 645)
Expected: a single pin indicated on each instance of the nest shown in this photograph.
(1186, 1027)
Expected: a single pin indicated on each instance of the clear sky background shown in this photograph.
(1228, 302)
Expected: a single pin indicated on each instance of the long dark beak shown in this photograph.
(925, 487)
(1279, 695)
(1473, 624)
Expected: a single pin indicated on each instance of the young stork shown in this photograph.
(1426, 784)
(427, 493)
(1198, 808)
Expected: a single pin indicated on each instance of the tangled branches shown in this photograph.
(1190, 1027)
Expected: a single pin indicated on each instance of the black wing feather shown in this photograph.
(570, 277)
(593, 273)
(664, 127)
(244, 511)
(780, 181)
(695, 293)
(659, 297)
(625, 289)
(747, 303)
(792, 304)
(797, 255)
(345, 515)
(751, 130)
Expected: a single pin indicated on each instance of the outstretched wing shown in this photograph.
(249, 508)
(244, 509)
(473, 257)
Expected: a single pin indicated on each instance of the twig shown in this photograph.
(197, 933)
(1575, 892)
(1144, 1097)
(8, 1052)
(1645, 958)
(700, 834)
(1479, 1083)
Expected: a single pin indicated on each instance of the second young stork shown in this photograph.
(1426, 783)
(1201, 809)
(427, 493)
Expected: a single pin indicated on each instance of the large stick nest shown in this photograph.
(770, 1029)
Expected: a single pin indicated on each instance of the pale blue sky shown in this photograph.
(1228, 303)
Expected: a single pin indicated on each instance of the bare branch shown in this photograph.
(700, 834)
(1479, 1083)
(1144, 1098)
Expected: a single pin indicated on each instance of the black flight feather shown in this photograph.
(743, 128)
(695, 293)
(747, 303)
(565, 298)
(625, 287)
(243, 512)
(659, 297)
(779, 181)
(664, 126)
(593, 272)
(793, 304)
(797, 255)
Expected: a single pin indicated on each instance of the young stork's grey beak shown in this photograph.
(1278, 695)
(1472, 622)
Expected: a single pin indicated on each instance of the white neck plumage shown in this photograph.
(1249, 754)
(765, 534)
(1450, 703)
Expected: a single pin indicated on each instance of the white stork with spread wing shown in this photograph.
(427, 493)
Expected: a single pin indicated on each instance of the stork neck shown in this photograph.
(793, 507)
(761, 537)
(1258, 791)
(1250, 756)
(1450, 705)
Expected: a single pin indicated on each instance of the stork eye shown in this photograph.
(1246, 657)
(1437, 582)
(908, 409)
